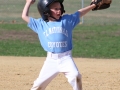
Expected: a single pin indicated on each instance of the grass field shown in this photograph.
(11, 11)
(89, 41)
(97, 37)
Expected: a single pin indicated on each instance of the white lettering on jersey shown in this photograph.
(55, 30)
(57, 44)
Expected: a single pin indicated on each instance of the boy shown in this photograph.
(55, 34)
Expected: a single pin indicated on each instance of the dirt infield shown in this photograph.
(18, 73)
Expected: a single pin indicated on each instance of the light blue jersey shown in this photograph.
(55, 36)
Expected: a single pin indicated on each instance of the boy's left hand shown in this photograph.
(101, 4)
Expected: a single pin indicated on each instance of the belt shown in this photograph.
(58, 55)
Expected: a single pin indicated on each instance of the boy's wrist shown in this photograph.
(28, 2)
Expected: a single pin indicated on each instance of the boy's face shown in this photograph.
(55, 9)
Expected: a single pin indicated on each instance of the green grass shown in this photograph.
(98, 41)
(20, 48)
(12, 10)
(17, 27)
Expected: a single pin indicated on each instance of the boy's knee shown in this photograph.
(77, 75)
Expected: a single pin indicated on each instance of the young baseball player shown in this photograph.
(55, 34)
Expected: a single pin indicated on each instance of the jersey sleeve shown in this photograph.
(75, 19)
(33, 24)
(72, 19)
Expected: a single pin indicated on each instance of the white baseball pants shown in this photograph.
(53, 65)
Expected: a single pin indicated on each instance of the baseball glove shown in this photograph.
(101, 4)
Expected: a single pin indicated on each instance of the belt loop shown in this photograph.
(50, 54)
(58, 55)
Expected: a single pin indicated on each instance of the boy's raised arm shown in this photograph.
(95, 5)
(85, 10)
(25, 13)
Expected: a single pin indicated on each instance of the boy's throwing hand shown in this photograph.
(31, 1)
